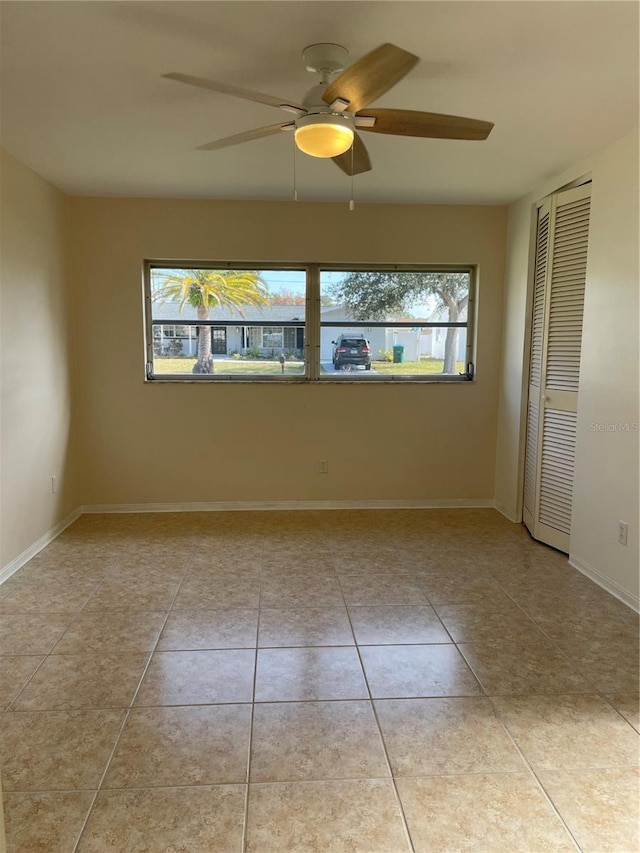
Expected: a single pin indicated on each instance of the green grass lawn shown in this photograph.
(229, 367)
(263, 367)
(414, 368)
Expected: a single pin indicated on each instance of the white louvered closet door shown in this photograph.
(556, 340)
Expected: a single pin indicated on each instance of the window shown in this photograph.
(172, 340)
(272, 337)
(376, 323)
(255, 337)
(405, 323)
(218, 322)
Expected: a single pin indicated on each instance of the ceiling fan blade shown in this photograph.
(431, 125)
(237, 92)
(355, 160)
(247, 136)
(370, 77)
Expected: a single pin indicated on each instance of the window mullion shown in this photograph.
(312, 330)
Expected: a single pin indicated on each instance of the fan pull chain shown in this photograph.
(295, 190)
(352, 204)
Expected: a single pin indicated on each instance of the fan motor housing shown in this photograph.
(313, 99)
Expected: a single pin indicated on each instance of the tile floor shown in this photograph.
(361, 681)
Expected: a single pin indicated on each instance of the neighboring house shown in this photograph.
(328, 333)
(380, 339)
(267, 337)
(256, 328)
(416, 341)
(261, 329)
(432, 343)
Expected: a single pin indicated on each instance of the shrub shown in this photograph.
(174, 347)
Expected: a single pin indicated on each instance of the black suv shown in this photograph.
(352, 350)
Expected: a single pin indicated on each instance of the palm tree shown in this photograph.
(206, 289)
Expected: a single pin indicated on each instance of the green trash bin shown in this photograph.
(398, 354)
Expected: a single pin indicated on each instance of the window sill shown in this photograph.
(252, 380)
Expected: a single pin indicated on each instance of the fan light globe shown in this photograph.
(324, 134)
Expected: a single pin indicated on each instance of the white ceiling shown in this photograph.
(84, 105)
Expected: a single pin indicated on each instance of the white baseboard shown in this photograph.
(611, 586)
(239, 506)
(19, 561)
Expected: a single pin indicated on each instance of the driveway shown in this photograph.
(327, 367)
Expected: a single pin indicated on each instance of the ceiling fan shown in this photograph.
(328, 119)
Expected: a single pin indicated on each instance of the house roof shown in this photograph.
(269, 314)
(170, 311)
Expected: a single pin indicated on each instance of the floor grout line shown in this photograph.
(390, 698)
(245, 821)
(384, 778)
(400, 805)
(564, 654)
(51, 650)
(538, 781)
(122, 727)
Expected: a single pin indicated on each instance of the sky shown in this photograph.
(294, 281)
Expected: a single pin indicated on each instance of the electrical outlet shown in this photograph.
(324, 466)
(622, 532)
(54, 485)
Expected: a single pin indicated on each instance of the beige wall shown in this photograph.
(606, 480)
(35, 381)
(196, 442)
(514, 365)
(607, 474)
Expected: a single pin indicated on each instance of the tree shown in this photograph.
(286, 297)
(378, 295)
(289, 297)
(207, 289)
